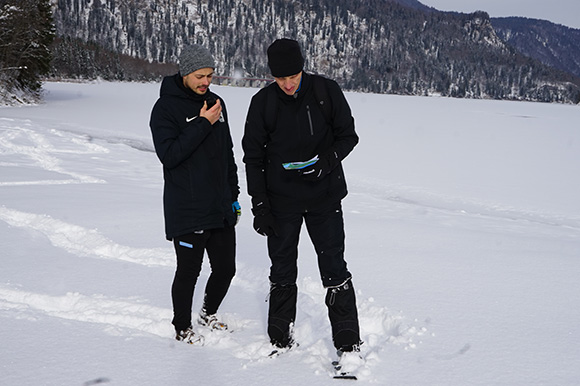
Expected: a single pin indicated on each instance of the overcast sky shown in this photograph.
(565, 12)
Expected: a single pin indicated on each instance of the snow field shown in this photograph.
(463, 237)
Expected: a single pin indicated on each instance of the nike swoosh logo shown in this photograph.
(190, 119)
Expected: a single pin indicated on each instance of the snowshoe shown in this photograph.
(348, 364)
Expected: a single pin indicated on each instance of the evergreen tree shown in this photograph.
(26, 32)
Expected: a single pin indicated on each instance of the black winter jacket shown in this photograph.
(301, 132)
(199, 170)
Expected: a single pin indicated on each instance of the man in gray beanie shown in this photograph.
(192, 139)
(298, 130)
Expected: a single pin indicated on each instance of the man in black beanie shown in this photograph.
(298, 130)
(192, 139)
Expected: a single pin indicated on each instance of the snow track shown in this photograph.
(39, 148)
(115, 314)
(420, 202)
(85, 242)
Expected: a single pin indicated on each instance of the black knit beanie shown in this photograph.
(285, 58)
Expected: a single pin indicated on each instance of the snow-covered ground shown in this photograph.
(463, 236)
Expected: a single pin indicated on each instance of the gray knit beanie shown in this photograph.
(193, 58)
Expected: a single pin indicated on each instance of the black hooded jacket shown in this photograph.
(300, 132)
(199, 170)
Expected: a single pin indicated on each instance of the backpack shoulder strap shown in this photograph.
(322, 97)
(271, 108)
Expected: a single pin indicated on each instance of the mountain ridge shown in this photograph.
(553, 44)
(378, 46)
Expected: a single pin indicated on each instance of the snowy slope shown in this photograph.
(463, 236)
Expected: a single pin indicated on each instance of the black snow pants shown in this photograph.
(326, 231)
(220, 245)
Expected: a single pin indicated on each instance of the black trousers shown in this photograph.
(326, 231)
(220, 245)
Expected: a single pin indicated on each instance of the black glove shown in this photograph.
(321, 168)
(265, 224)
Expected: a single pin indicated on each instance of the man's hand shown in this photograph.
(321, 168)
(265, 224)
(213, 114)
(317, 171)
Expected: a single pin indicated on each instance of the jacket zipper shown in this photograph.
(310, 120)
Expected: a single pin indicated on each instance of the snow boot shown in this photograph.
(190, 337)
(211, 321)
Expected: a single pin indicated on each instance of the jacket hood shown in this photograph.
(173, 86)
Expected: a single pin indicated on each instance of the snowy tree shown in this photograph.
(26, 32)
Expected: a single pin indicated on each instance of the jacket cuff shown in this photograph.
(261, 208)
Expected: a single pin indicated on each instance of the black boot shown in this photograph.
(281, 314)
(343, 315)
